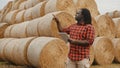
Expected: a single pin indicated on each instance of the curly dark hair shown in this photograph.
(83, 15)
(86, 15)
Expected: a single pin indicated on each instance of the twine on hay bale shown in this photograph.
(103, 50)
(47, 52)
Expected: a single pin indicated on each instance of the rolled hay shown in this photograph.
(35, 2)
(38, 10)
(48, 27)
(58, 5)
(106, 26)
(6, 7)
(47, 52)
(7, 31)
(51, 29)
(20, 17)
(91, 55)
(32, 28)
(113, 14)
(10, 17)
(89, 4)
(8, 50)
(28, 14)
(116, 42)
(94, 23)
(28, 4)
(19, 30)
(117, 25)
(22, 6)
(5, 10)
(3, 26)
(16, 4)
(103, 50)
(3, 43)
(117, 14)
(64, 19)
(19, 52)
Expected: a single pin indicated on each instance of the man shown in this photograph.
(81, 38)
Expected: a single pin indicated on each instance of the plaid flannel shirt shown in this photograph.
(80, 32)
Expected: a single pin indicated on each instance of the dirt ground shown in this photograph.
(106, 66)
(8, 65)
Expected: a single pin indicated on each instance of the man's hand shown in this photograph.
(56, 19)
(58, 23)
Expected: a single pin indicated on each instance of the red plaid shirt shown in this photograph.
(80, 32)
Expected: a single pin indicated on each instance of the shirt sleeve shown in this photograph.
(90, 34)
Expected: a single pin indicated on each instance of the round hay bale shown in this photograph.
(3, 26)
(10, 17)
(16, 4)
(20, 16)
(65, 19)
(20, 51)
(94, 23)
(116, 42)
(113, 14)
(47, 52)
(8, 50)
(28, 4)
(91, 55)
(5, 10)
(117, 25)
(90, 4)
(47, 27)
(34, 2)
(3, 43)
(19, 30)
(58, 5)
(22, 6)
(32, 28)
(103, 50)
(28, 14)
(106, 26)
(109, 14)
(38, 10)
(117, 14)
(7, 31)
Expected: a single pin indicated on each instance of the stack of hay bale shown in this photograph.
(106, 44)
(31, 33)
(115, 15)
